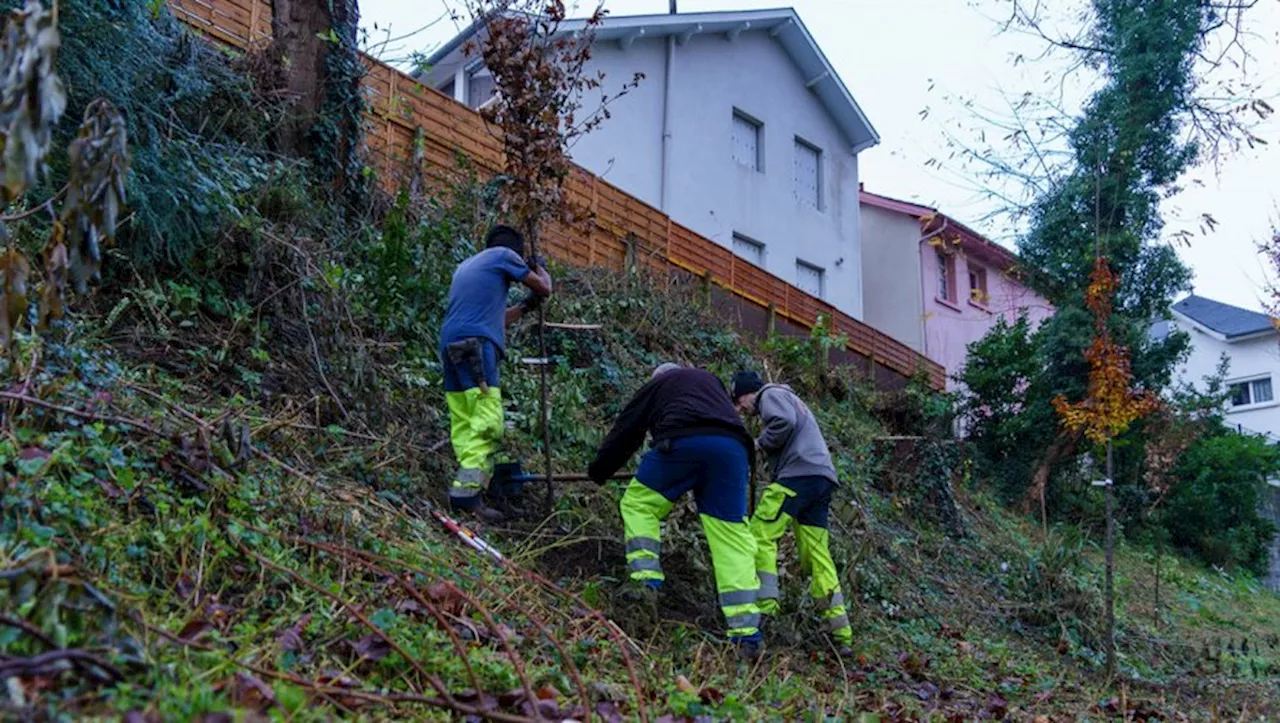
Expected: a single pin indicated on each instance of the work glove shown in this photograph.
(530, 302)
(537, 262)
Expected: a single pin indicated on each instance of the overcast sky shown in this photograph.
(899, 57)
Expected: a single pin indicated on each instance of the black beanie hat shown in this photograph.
(746, 382)
(505, 236)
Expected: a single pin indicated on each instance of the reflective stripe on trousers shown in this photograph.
(733, 551)
(642, 513)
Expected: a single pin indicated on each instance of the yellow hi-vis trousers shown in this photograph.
(715, 469)
(475, 429)
(803, 505)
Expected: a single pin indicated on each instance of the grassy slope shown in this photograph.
(211, 585)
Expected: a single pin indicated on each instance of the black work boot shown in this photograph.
(477, 509)
(641, 597)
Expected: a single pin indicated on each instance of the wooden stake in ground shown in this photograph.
(1109, 590)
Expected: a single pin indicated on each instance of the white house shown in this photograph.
(1251, 345)
(740, 130)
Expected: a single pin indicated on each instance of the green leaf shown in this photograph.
(384, 618)
(30, 467)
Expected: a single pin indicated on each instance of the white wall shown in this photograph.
(710, 192)
(892, 299)
(626, 149)
(1249, 360)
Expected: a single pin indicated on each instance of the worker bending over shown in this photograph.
(799, 496)
(699, 445)
(472, 343)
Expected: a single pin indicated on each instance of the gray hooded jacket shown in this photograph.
(791, 437)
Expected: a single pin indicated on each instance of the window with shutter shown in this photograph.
(749, 249)
(808, 171)
(746, 141)
(809, 278)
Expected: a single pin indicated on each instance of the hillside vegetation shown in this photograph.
(219, 472)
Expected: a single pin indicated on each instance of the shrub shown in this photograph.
(1212, 510)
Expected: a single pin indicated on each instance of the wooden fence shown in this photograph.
(415, 129)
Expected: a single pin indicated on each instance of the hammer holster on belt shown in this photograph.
(469, 354)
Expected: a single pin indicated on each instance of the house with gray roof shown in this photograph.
(1250, 343)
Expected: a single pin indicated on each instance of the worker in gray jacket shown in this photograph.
(799, 496)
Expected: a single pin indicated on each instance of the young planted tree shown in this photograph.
(1108, 410)
(32, 99)
(541, 87)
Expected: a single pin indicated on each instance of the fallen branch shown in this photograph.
(56, 661)
(91, 416)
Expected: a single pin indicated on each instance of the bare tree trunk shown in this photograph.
(1038, 491)
(306, 33)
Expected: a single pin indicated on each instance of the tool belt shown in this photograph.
(469, 354)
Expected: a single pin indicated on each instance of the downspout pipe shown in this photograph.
(668, 66)
(924, 331)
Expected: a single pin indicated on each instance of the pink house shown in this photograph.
(935, 284)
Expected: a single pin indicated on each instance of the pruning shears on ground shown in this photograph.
(469, 538)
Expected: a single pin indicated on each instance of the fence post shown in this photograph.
(707, 278)
(771, 321)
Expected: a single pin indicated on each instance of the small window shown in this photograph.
(946, 278)
(978, 286)
(448, 88)
(480, 88)
(1257, 391)
(809, 278)
(747, 149)
(748, 249)
(808, 171)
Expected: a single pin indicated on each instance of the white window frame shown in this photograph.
(822, 277)
(749, 120)
(801, 145)
(745, 240)
(1249, 383)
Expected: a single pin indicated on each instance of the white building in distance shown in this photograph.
(1250, 343)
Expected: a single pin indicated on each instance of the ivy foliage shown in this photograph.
(196, 129)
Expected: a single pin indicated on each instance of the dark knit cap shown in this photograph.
(505, 236)
(746, 382)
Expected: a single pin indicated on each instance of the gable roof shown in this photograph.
(934, 221)
(1230, 321)
(783, 24)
